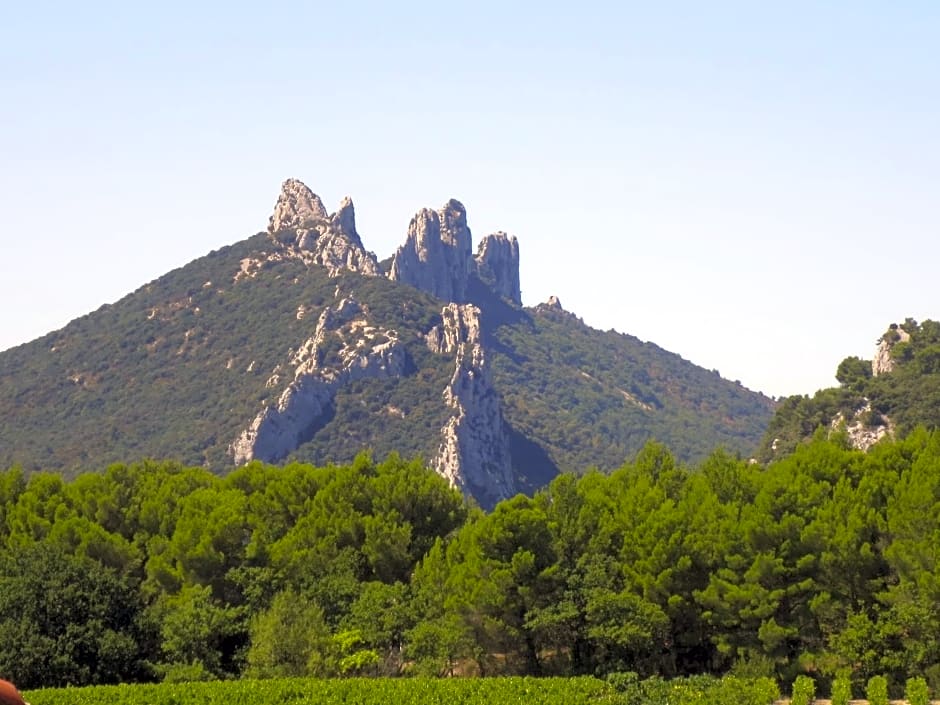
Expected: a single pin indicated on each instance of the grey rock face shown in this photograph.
(436, 256)
(474, 451)
(497, 262)
(883, 362)
(361, 351)
(297, 207)
(302, 227)
(345, 220)
(454, 230)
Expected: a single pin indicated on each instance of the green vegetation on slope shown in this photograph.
(180, 367)
(906, 397)
(595, 398)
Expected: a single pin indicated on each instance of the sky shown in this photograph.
(754, 186)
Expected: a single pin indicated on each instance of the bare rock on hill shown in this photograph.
(302, 228)
(497, 262)
(884, 361)
(474, 454)
(436, 256)
(343, 348)
(297, 207)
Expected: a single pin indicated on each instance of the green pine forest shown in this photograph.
(823, 563)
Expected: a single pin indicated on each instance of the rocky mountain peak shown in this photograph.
(345, 219)
(497, 262)
(297, 207)
(454, 230)
(437, 257)
(302, 228)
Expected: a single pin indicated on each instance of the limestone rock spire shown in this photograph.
(301, 225)
(497, 262)
(437, 255)
(297, 207)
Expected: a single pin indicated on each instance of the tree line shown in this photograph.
(824, 563)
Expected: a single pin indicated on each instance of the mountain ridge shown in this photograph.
(298, 337)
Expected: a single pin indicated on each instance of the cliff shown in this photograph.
(437, 257)
(474, 452)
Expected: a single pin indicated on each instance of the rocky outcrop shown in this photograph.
(345, 219)
(302, 228)
(474, 451)
(497, 263)
(344, 347)
(884, 361)
(553, 308)
(865, 427)
(553, 304)
(297, 208)
(436, 256)
(458, 325)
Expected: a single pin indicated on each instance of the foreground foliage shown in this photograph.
(499, 691)
(822, 564)
(452, 691)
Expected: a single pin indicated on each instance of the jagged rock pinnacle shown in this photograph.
(454, 230)
(345, 219)
(297, 207)
(436, 256)
(497, 263)
(303, 229)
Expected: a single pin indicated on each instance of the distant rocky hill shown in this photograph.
(297, 344)
(891, 394)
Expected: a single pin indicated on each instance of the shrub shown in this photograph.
(763, 691)
(916, 692)
(627, 684)
(804, 691)
(841, 690)
(877, 690)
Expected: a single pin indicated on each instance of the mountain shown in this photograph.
(298, 344)
(889, 395)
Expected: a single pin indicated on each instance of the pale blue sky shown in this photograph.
(751, 185)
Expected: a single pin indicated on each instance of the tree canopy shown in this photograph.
(822, 563)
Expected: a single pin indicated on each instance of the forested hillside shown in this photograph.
(821, 563)
(890, 395)
(273, 350)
